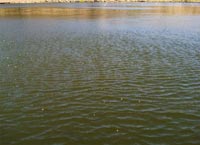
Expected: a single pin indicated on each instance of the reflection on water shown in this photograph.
(100, 75)
(98, 12)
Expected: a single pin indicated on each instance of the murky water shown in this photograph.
(119, 74)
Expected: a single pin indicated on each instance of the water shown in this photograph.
(118, 74)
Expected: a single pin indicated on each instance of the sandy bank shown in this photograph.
(50, 1)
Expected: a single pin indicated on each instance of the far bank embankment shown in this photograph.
(60, 1)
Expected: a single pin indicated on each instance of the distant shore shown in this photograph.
(68, 1)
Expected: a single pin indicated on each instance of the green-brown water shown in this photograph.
(104, 74)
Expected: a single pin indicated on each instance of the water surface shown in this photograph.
(118, 74)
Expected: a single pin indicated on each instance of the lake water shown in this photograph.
(100, 74)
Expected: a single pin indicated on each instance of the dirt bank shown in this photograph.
(45, 1)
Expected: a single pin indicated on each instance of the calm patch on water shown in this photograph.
(104, 74)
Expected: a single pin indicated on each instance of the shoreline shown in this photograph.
(94, 1)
